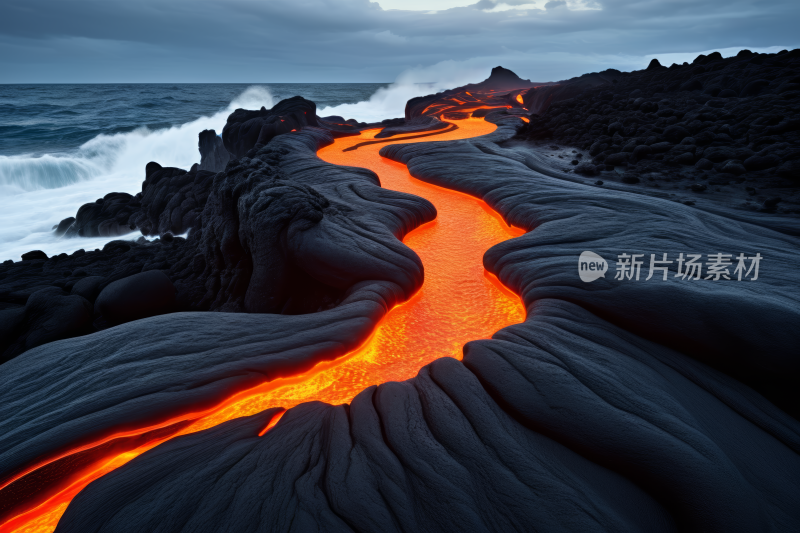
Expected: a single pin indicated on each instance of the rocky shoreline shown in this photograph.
(240, 224)
(729, 126)
(663, 404)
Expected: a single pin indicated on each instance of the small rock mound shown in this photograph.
(139, 296)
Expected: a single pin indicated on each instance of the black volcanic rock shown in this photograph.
(107, 217)
(250, 209)
(675, 133)
(654, 64)
(213, 155)
(256, 208)
(49, 314)
(619, 405)
(415, 125)
(539, 99)
(771, 379)
(139, 296)
(599, 413)
(790, 170)
(488, 92)
(330, 237)
(82, 275)
(259, 240)
(339, 127)
(738, 113)
(89, 287)
(501, 79)
(172, 200)
(34, 254)
(63, 226)
(435, 453)
(245, 129)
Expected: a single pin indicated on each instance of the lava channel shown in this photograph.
(458, 302)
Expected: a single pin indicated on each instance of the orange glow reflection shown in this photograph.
(458, 302)
(272, 423)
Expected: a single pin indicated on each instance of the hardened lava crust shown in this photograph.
(640, 401)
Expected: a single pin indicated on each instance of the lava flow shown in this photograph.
(458, 302)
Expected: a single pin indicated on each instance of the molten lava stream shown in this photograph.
(458, 302)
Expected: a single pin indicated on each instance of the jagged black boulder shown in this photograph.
(172, 200)
(106, 217)
(213, 155)
(500, 79)
(64, 225)
(34, 254)
(245, 129)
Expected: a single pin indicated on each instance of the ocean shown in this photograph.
(65, 145)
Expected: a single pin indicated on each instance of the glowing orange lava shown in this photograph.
(519, 99)
(458, 302)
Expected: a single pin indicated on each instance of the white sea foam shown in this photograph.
(37, 192)
(390, 102)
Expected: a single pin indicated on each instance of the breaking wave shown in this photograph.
(36, 192)
(390, 102)
(122, 154)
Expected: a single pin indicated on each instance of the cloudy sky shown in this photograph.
(272, 41)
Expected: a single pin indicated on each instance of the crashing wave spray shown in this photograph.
(38, 192)
(122, 154)
(390, 102)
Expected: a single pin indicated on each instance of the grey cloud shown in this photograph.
(355, 40)
(554, 4)
(485, 5)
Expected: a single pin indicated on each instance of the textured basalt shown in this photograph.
(277, 232)
(328, 234)
(433, 454)
(602, 411)
(744, 328)
(415, 125)
(702, 126)
(245, 129)
(107, 217)
(213, 155)
(498, 90)
(618, 405)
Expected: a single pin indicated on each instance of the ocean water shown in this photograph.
(64, 145)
